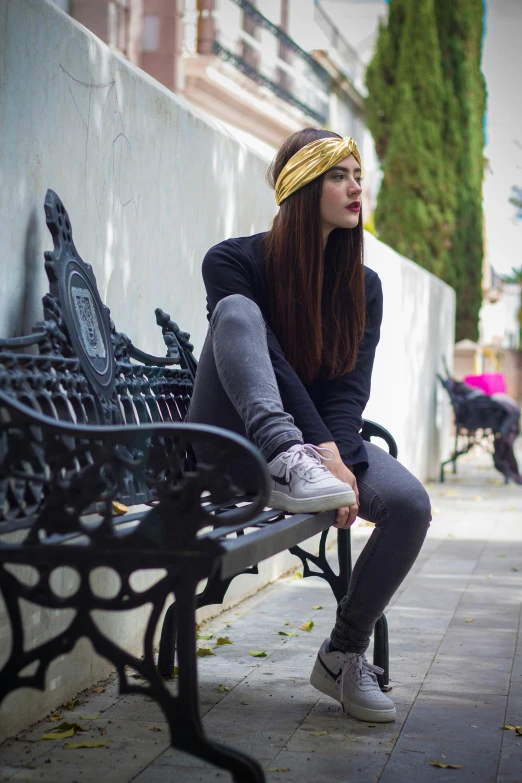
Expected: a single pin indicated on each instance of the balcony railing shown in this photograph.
(340, 50)
(262, 51)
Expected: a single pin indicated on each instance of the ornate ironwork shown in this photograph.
(81, 315)
(179, 347)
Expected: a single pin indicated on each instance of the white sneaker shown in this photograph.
(300, 482)
(351, 680)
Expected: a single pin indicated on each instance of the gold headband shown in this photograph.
(311, 161)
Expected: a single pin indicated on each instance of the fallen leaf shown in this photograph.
(288, 624)
(317, 607)
(98, 690)
(257, 653)
(223, 688)
(71, 704)
(307, 626)
(478, 498)
(67, 726)
(223, 640)
(203, 652)
(516, 570)
(472, 726)
(510, 727)
(137, 677)
(501, 555)
(318, 733)
(76, 745)
(154, 728)
(446, 766)
(469, 619)
(90, 717)
(519, 731)
(175, 671)
(118, 508)
(58, 735)
(56, 717)
(287, 633)
(298, 574)
(244, 703)
(206, 638)
(372, 725)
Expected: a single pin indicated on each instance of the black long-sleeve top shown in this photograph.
(326, 409)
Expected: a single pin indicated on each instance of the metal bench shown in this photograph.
(481, 421)
(88, 422)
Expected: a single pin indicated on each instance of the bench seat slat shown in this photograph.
(244, 551)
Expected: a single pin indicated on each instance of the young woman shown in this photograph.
(294, 322)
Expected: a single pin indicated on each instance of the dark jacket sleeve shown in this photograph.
(226, 271)
(342, 400)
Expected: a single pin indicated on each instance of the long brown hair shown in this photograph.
(317, 298)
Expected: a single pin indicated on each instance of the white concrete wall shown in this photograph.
(417, 330)
(150, 184)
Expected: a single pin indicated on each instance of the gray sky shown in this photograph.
(502, 67)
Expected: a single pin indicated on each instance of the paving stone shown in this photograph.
(455, 673)
(350, 767)
(131, 746)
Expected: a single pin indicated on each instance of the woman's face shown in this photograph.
(340, 196)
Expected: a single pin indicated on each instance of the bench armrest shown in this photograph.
(65, 468)
(371, 429)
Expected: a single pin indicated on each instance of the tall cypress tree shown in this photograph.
(426, 73)
(416, 202)
(460, 32)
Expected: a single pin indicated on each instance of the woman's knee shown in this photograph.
(412, 507)
(235, 309)
(408, 504)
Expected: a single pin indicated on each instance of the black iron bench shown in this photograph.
(481, 421)
(88, 423)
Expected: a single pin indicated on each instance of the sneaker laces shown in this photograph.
(307, 458)
(365, 672)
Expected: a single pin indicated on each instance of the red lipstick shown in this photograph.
(355, 206)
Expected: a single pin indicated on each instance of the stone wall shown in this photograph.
(150, 184)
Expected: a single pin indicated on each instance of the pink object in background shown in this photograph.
(489, 382)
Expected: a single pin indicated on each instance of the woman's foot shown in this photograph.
(351, 680)
(299, 482)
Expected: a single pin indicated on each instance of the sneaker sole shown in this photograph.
(279, 500)
(361, 713)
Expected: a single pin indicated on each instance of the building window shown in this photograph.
(151, 32)
(65, 5)
(119, 25)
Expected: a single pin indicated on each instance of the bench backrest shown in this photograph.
(76, 367)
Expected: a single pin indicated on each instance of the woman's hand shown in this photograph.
(345, 516)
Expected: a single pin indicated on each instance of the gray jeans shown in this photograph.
(236, 389)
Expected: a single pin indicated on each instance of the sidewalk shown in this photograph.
(456, 671)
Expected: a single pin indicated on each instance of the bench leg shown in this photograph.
(381, 652)
(167, 647)
(187, 733)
